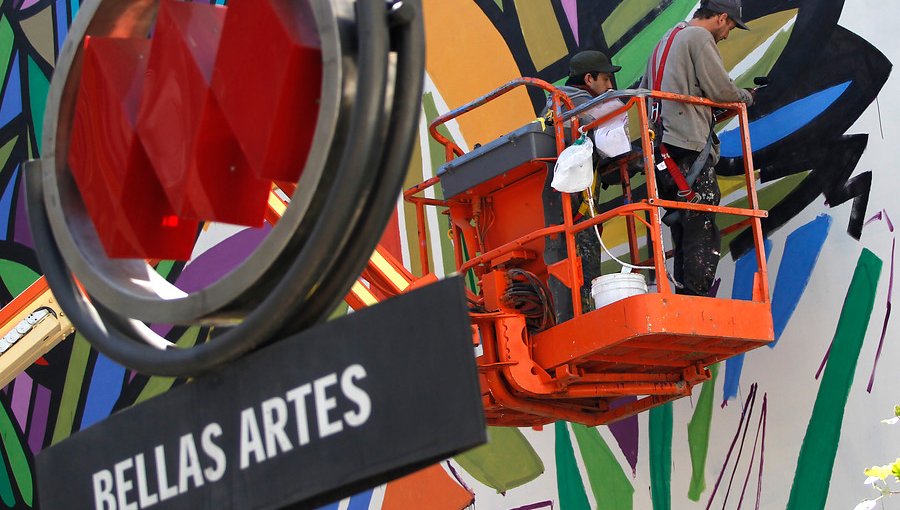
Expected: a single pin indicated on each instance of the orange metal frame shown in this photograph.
(654, 346)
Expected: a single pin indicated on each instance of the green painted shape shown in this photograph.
(625, 16)
(634, 55)
(71, 394)
(505, 462)
(661, 424)
(499, 4)
(823, 433)
(768, 197)
(7, 40)
(165, 267)
(568, 479)
(698, 435)
(6, 491)
(158, 385)
(6, 150)
(21, 468)
(17, 277)
(436, 154)
(38, 88)
(764, 65)
(611, 487)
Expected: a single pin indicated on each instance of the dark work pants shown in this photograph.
(586, 244)
(695, 234)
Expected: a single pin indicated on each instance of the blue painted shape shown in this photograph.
(801, 252)
(12, 95)
(744, 269)
(360, 501)
(785, 121)
(62, 24)
(333, 506)
(6, 203)
(106, 385)
(74, 5)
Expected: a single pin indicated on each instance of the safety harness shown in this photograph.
(684, 183)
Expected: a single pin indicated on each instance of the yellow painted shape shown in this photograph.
(625, 16)
(741, 43)
(40, 33)
(466, 58)
(730, 184)
(542, 33)
(615, 232)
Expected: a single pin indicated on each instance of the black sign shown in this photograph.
(321, 415)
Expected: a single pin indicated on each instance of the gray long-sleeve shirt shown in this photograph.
(694, 67)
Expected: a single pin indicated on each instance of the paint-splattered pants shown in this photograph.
(695, 234)
(587, 246)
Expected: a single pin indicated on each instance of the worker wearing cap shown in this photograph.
(687, 61)
(590, 75)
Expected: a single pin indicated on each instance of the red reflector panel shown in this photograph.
(121, 193)
(269, 66)
(202, 169)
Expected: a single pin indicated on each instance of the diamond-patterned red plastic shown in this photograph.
(124, 199)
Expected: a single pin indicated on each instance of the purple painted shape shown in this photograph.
(535, 506)
(214, 263)
(22, 234)
(882, 214)
(887, 318)
(887, 315)
(762, 451)
(39, 413)
(760, 427)
(571, 9)
(824, 360)
(458, 478)
(626, 433)
(751, 399)
(21, 399)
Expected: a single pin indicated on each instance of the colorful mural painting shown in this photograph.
(792, 425)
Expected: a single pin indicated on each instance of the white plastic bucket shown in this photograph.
(610, 288)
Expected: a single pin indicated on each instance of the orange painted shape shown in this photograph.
(466, 56)
(430, 488)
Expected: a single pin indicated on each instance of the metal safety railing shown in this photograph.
(646, 212)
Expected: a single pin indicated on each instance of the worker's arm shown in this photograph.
(712, 76)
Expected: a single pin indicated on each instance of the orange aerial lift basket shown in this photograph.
(654, 346)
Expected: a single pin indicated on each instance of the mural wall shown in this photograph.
(792, 425)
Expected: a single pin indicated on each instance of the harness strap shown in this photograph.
(658, 75)
(685, 190)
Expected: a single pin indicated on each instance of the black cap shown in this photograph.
(590, 61)
(730, 7)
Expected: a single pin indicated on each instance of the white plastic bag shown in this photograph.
(574, 170)
(611, 138)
